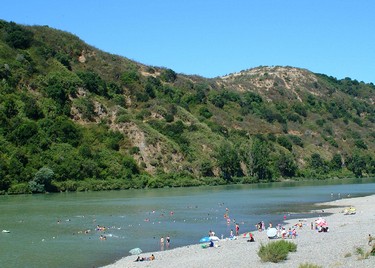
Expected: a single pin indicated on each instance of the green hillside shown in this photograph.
(73, 117)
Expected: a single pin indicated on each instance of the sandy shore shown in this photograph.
(336, 248)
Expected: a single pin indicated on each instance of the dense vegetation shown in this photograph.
(75, 118)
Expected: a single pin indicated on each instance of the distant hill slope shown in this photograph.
(75, 118)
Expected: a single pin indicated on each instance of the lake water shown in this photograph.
(49, 230)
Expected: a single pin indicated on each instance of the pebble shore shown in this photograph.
(336, 248)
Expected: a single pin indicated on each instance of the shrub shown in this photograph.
(284, 141)
(309, 265)
(20, 188)
(168, 75)
(276, 251)
(300, 109)
(296, 140)
(360, 144)
(205, 112)
(294, 117)
(361, 253)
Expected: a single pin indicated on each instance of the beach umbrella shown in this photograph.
(205, 239)
(271, 232)
(321, 222)
(135, 251)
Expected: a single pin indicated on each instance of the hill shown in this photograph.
(76, 118)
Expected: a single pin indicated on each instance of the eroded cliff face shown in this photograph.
(274, 83)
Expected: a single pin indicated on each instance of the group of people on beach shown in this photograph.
(151, 258)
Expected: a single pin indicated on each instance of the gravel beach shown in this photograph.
(336, 248)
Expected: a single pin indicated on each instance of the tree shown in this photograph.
(357, 164)
(228, 161)
(318, 163)
(42, 180)
(217, 100)
(31, 107)
(64, 130)
(18, 37)
(336, 162)
(10, 106)
(93, 83)
(24, 132)
(287, 165)
(259, 165)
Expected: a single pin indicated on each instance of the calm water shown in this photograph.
(48, 230)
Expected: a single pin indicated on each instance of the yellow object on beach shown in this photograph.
(349, 211)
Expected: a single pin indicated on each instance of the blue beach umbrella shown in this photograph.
(135, 251)
(204, 239)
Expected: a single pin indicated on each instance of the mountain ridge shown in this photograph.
(160, 128)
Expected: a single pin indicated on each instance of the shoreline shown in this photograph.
(336, 248)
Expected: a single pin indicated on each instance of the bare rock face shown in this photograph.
(82, 58)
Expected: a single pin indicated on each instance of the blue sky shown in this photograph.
(214, 38)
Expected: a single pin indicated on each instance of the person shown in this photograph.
(283, 233)
(231, 233)
(168, 240)
(211, 244)
(140, 259)
(152, 257)
(251, 238)
(290, 233)
(370, 238)
(294, 233)
(237, 229)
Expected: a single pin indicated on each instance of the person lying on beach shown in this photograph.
(151, 258)
(140, 259)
